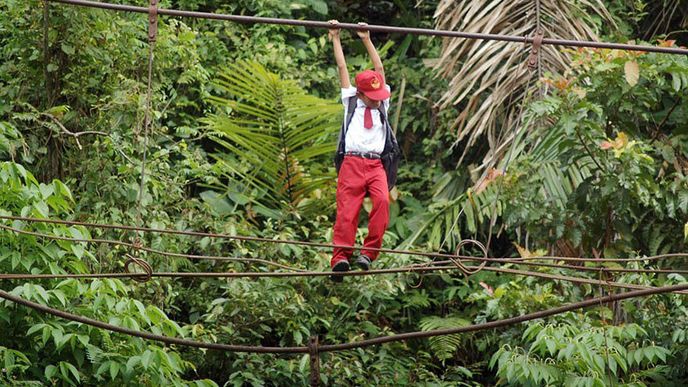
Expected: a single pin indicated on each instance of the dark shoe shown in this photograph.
(363, 262)
(340, 266)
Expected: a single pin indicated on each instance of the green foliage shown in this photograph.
(10, 140)
(14, 365)
(444, 347)
(56, 350)
(72, 104)
(606, 156)
(271, 131)
(581, 355)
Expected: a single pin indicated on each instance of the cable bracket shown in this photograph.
(534, 52)
(153, 20)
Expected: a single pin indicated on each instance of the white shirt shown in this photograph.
(358, 138)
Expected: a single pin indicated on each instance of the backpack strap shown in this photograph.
(383, 113)
(341, 146)
(390, 139)
(351, 109)
(391, 154)
(385, 121)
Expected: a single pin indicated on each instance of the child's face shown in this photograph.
(371, 103)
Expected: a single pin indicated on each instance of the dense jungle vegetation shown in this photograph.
(586, 156)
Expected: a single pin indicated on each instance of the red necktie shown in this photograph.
(367, 118)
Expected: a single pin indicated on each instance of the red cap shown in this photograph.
(372, 84)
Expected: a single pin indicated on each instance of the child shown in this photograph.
(366, 159)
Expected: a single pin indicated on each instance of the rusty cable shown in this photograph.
(304, 243)
(465, 269)
(539, 35)
(452, 258)
(138, 246)
(350, 345)
(375, 28)
(558, 277)
(515, 261)
(402, 270)
(152, 37)
(147, 268)
(604, 323)
(504, 322)
(146, 335)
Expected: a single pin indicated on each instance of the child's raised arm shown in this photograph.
(339, 56)
(372, 52)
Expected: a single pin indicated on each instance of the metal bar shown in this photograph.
(375, 28)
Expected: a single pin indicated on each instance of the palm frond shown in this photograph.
(275, 130)
(444, 346)
(489, 78)
(457, 209)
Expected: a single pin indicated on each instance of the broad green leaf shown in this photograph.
(146, 358)
(50, 371)
(35, 328)
(74, 371)
(676, 82)
(632, 72)
(114, 370)
(131, 363)
(303, 363)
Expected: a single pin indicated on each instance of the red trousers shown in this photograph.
(358, 177)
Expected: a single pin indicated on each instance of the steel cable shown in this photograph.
(307, 243)
(504, 322)
(344, 346)
(408, 269)
(375, 28)
(135, 246)
(453, 259)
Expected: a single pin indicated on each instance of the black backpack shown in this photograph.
(391, 154)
